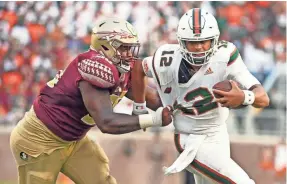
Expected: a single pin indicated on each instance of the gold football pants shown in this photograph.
(40, 156)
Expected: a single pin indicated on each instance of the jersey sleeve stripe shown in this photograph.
(153, 67)
(233, 56)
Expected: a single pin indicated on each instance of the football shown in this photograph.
(223, 86)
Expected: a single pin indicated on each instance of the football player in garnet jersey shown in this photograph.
(51, 137)
(185, 74)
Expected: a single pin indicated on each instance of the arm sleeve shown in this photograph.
(237, 70)
(98, 72)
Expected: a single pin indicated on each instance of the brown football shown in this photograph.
(223, 86)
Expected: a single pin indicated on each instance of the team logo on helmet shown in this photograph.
(196, 24)
(23, 156)
(131, 29)
(109, 35)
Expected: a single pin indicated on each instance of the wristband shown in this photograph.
(151, 120)
(145, 120)
(139, 108)
(249, 97)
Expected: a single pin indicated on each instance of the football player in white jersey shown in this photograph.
(185, 74)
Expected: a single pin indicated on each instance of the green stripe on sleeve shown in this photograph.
(233, 57)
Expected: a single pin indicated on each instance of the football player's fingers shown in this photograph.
(170, 108)
(234, 84)
(169, 119)
(221, 100)
(219, 92)
(226, 104)
(171, 111)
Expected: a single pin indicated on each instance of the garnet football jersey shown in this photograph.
(60, 105)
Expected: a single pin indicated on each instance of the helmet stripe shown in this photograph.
(199, 19)
(196, 20)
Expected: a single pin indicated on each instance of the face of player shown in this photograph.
(125, 55)
(125, 51)
(198, 46)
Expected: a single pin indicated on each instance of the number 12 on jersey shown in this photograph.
(166, 58)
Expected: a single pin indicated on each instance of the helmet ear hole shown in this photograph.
(104, 47)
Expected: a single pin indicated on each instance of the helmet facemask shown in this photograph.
(197, 58)
(124, 62)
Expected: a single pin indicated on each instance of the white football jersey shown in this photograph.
(191, 94)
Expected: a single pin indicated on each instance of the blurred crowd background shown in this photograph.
(39, 38)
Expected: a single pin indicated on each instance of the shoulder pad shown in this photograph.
(233, 53)
(230, 49)
(98, 71)
(225, 45)
(164, 62)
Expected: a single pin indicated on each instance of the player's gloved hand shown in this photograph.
(161, 117)
(139, 108)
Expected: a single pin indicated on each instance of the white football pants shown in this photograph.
(212, 163)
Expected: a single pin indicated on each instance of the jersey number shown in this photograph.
(164, 60)
(222, 43)
(200, 106)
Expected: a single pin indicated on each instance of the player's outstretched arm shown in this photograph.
(141, 93)
(139, 83)
(151, 97)
(97, 102)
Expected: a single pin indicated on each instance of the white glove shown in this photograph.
(154, 119)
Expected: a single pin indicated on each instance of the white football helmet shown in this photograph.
(109, 35)
(197, 25)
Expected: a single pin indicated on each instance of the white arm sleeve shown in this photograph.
(238, 72)
(147, 66)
